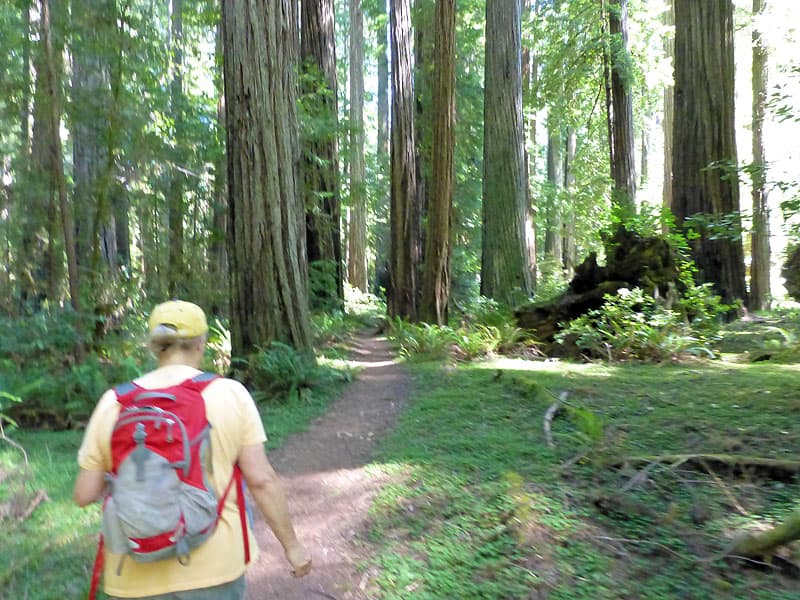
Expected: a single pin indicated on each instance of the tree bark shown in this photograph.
(320, 166)
(266, 229)
(760, 250)
(219, 213)
(704, 141)
(554, 221)
(570, 245)
(357, 254)
(404, 207)
(57, 156)
(505, 269)
(436, 277)
(669, 109)
(383, 83)
(623, 166)
(530, 73)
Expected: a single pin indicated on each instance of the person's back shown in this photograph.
(177, 335)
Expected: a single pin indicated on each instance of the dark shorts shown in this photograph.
(227, 591)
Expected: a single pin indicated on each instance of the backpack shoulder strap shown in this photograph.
(125, 388)
(201, 381)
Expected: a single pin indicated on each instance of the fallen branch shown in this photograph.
(775, 468)
(40, 497)
(721, 484)
(762, 544)
(549, 416)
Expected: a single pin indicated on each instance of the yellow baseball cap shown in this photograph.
(186, 318)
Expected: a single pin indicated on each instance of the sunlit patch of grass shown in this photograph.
(476, 459)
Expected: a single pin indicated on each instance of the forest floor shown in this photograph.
(329, 486)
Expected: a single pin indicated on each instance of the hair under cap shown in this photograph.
(187, 319)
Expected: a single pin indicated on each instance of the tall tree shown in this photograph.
(176, 279)
(436, 276)
(357, 249)
(92, 138)
(623, 162)
(704, 141)
(554, 220)
(505, 270)
(669, 105)
(404, 209)
(53, 86)
(321, 152)
(760, 251)
(266, 228)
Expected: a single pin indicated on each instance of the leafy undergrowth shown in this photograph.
(484, 507)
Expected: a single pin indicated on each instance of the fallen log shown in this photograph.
(772, 468)
(763, 544)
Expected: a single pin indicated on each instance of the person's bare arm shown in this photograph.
(267, 490)
(89, 487)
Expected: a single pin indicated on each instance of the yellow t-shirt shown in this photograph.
(235, 422)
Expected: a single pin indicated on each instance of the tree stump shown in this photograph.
(632, 261)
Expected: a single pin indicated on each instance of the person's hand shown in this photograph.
(300, 560)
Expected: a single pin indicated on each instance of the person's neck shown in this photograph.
(180, 359)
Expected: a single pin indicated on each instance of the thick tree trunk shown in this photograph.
(704, 140)
(669, 109)
(505, 271)
(357, 252)
(219, 213)
(554, 222)
(436, 277)
(404, 209)
(57, 156)
(529, 77)
(381, 233)
(383, 83)
(92, 135)
(760, 251)
(266, 229)
(321, 164)
(570, 244)
(623, 166)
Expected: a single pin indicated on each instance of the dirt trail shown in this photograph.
(329, 491)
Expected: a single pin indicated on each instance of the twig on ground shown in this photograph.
(7, 439)
(725, 490)
(549, 416)
(40, 497)
(641, 542)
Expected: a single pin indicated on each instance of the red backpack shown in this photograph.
(160, 502)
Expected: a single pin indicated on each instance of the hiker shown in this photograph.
(215, 567)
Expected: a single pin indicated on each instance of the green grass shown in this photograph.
(483, 508)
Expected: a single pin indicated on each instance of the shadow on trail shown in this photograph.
(328, 489)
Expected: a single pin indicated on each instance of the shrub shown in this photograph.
(422, 340)
(632, 325)
(278, 371)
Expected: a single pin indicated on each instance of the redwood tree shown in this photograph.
(436, 277)
(404, 209)
(505, 268)
(321, 152)
(760, 252)
(623, 164)
(704, 145)
(266, 229)
(357, 239)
